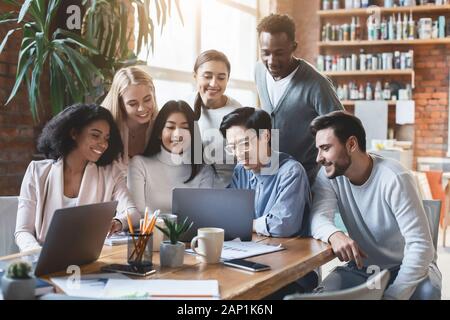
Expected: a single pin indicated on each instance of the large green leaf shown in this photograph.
(74, 38)
(10, 32)
(19, 78)
(23, 11)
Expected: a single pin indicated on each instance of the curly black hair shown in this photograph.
(56, 140)
(277, 23)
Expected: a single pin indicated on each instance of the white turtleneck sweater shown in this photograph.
(152, 179)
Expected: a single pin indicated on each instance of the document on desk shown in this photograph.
(88, 286)
(162, 289)
(117, 239)
(237, 249)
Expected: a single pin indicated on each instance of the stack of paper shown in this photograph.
(117, 239)
(162, 289)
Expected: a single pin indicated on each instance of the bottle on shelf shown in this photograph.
(358, 29)
(353, 29)
(391, 28)
(361, 92)
(369, 91)
(405, 27)
(411, 27)
(378, 95)
(387, 91)
(399, 27)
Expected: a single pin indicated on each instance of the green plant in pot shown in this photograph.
(172, 251)
(18, 282)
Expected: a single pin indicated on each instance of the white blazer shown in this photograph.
(42, 193)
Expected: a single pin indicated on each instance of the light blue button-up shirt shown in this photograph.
(282, 196)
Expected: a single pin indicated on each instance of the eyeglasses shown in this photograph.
(243, 146)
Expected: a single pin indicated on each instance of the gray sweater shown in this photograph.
(384, 216)
(308, 95)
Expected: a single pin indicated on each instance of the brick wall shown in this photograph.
(431, 96)
(432, 77)
(17, 133)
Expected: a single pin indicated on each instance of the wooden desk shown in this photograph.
(300, 257)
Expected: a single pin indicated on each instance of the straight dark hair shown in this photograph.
(249, 118)
(344, 125)
(207, 56)
(155, 143)
(56, 140)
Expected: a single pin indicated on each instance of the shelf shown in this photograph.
(408, 72)
(352, 102)
(366, 43)
(369, 11)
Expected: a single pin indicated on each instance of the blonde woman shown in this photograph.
(132, 103)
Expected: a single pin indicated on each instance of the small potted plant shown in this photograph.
(18, 282)
(172, 251)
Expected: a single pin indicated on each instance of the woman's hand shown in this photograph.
(116, 226)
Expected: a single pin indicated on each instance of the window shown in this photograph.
(225, 25)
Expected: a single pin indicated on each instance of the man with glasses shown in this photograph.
(283, 197)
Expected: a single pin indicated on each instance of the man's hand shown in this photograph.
(346, 249)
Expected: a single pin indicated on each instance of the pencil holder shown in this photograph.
(140, 250)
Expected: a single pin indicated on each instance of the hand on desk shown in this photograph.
(116, 226)
(346, 249)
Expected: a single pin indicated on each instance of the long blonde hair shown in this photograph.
(134, 75)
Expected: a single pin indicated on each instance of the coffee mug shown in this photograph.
(210, 243)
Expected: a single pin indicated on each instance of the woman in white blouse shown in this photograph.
(81, 145)
(211, 73)
(169, 160)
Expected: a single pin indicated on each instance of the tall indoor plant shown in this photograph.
(53, 54)
(106, 25)
(75, 66)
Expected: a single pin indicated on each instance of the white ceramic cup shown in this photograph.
(210, 243)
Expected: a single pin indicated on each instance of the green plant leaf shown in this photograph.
(74, 38)
(10, 32)
(19, 78)
(23, 11)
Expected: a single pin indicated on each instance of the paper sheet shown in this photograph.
(162, 289)
(90, 286)
(237, 249)
(405, 112)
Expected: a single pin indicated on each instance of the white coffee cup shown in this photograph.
(210, 243)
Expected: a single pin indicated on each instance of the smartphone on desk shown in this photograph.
(128, 269)
(246, 265)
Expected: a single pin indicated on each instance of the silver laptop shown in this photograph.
(75, 237)
(229, 209)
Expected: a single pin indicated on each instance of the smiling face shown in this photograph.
(332, 154)
(92, 141)
(211, 80)
(277, 53)
(138, 102)
(247, 147)
(175, 135)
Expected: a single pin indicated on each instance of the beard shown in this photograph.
(339, 166)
